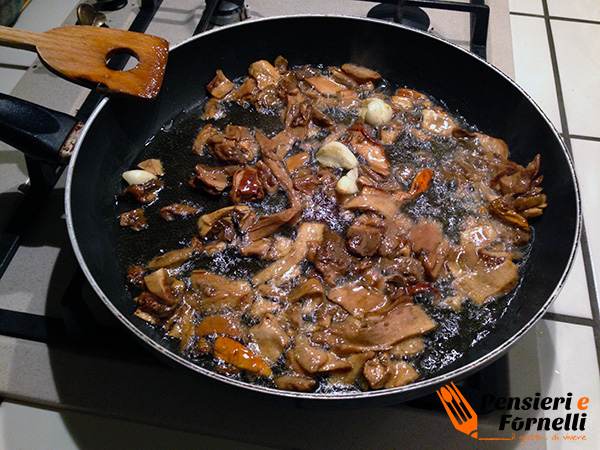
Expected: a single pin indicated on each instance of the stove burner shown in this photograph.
(411, 16)
(110, 5)
(221, 12)
(228, 12)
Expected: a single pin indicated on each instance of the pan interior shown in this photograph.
(469, 87)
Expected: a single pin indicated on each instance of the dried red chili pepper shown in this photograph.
(418, 288)
(421, 182)
(365, 134)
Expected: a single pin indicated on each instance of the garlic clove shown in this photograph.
(353, 174)
(138, 176)
(346, 185)
(336, 154)
(376, 112)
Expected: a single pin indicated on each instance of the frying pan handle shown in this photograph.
(39, 132)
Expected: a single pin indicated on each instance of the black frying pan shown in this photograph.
(119, 129)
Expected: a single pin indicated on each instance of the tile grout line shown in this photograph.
(574, 320)
(563, 19)
(557, 83)
(585, 250)
(575, 20)
(594, 304)
(585, 138)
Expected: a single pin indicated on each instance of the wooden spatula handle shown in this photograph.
(80, 53)
(19, 38)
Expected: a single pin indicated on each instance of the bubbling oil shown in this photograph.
(457, 332)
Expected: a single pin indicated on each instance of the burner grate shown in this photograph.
(221, 12)
(409, 12)
(407, 15)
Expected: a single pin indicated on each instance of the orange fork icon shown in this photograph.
(461, 414)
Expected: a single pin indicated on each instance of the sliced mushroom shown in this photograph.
(159, 284)
(135, 219)
(311, 359)
(145, 192)
(270, 338)
(225, 222)
(360, 73)
(357, 300)
(437, 121)
(152, 165)
(170, 212)
(232, 352)
(325, 85)
(218, 293)
(220, 85)
(376, 200)
(174, 258)
(264, 73)
(224, 325)
(295, 383)
(308, 234)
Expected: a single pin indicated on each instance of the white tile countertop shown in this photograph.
(557, 58)
(556, 51)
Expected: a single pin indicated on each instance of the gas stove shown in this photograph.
(60, 347)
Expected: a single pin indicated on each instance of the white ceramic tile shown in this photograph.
(526, 6)
(574, 299)
(25, 427)
(9, 74)
(39, 15)
(576, 9)
(533, 66)
(568, 364)
(578, 53)
(587, 162)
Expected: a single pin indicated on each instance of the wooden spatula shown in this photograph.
(80, 53)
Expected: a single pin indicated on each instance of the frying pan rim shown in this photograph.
(425, 385)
